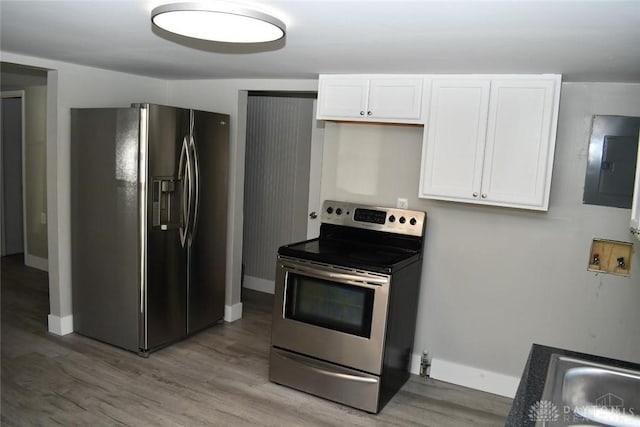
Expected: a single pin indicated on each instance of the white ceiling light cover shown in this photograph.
(218, 21)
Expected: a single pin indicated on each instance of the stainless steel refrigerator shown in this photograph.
(148, 223)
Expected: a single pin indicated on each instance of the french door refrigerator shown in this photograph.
(148, 223)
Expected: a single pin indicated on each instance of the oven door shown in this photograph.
(331, 313)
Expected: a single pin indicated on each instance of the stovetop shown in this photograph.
(363, 237)
(364, 257)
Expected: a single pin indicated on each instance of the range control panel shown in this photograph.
(390, 220)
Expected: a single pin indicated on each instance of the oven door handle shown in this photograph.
(349, 278)
(356, 280)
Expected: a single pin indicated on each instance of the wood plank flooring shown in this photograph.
(218, 377)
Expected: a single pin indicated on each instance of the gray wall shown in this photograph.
(17, 76)
(12, 204)
(496, 280)
(36, 169)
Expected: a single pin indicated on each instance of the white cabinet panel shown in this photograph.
(342, 98)
(371, 98)
(454, 139)
(635, 205)
(516, 162)
(395, 98)
(491, 140)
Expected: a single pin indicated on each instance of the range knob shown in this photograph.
(338, 211)
(402, 220)
(329, 210)
(392, 218)
(413, 221)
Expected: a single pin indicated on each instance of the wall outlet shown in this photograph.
(43, 218)
(402, 203)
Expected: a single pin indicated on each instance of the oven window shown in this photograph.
(328, 304)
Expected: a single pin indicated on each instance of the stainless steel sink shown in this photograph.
(579, 392)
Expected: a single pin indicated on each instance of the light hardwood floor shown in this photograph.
(218, 377)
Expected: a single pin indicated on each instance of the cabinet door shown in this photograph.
(454, 139)
(635, 204)
(342, 98)
(519, 149)
(395, 98)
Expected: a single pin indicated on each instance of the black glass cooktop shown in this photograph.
(364, 256)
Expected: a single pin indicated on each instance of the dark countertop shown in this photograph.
(534, 376)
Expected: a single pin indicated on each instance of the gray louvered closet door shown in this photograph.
(276, 179)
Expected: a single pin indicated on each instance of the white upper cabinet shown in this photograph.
(371, 98)
(342, 97)
(491, 139)
(516, 166)
(452, 162)
(635, 205)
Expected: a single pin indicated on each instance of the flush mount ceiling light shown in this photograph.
(218, 21)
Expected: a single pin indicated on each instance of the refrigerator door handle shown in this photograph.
(185, 174)
(196, 185)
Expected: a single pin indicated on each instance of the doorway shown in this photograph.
(282, 180)
(12, 179)
(23, 171)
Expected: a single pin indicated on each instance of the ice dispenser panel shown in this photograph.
(166, 203)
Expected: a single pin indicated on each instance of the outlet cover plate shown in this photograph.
(402, 203)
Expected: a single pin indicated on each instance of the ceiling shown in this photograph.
(585, 40)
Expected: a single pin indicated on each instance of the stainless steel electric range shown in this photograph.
(345, 305)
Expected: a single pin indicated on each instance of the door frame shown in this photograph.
(7, 95)
(315, 171)
(315, 174)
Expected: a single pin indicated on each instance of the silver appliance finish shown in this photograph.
(339, 347)
(148, 206)
(348, 386)
(350, 368)
(398, 221)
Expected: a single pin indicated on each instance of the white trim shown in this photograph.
(315, 173)
(415, 364)
(259, 284)
(468, 376)
(233, 312)
(53, 223)
(36, 262)
(60, 325)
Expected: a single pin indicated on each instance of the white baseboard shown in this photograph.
(415, 364)
(233, 312)
(60, 325)
(259, 284)
(468, 376)
(36, 262)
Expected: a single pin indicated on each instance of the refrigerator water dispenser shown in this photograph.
(166, 211)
